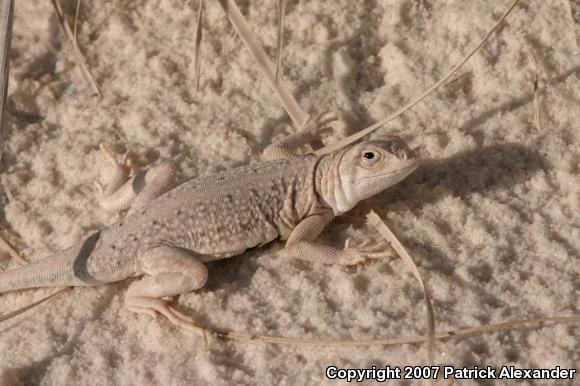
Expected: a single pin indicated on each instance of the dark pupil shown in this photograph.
(369, 155)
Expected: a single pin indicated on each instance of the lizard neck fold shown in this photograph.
(329, 186)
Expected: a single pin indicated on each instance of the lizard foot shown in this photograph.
(316, 125)
(367, 250)
(309, 133)
(117, 172)
(154, 307)
(127, 187)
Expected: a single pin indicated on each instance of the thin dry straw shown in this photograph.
(19, 311)
(375, 221)
(253, 45)
(198, 36)
(281, 12)
(352, 138)
(76, 22)
(536, 86)
(537, 94)
(80, 59)
(464, 332)
(5, 245)
(6, 17)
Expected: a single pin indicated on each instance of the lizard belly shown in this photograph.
(235, 248)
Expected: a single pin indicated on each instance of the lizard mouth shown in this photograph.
(403, 172)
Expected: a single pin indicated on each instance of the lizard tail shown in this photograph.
(49, 272)
(63, 268)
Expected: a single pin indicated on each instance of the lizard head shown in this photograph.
(365, 169)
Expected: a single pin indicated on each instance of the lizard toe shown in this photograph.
(156, 307)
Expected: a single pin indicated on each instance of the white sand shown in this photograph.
(493, 220)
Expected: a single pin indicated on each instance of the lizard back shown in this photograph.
(229, 212)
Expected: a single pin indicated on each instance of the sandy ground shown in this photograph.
(492, 220)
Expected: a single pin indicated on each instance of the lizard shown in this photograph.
(170, 232)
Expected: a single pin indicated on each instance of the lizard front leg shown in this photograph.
(300, 244)
(128, 188)
(310, 132)
(169, 271)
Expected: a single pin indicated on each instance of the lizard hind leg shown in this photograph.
(169, 271)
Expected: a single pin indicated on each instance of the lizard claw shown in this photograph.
(348, 243)
(366, 245)
(129, 162)
(366, 250)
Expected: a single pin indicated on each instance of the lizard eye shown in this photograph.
(369, 158)
(369, 155)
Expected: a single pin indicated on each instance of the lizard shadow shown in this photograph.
(228, 276)
(480, 171)
(236, 271)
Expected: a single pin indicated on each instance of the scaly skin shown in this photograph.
(168, 238)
